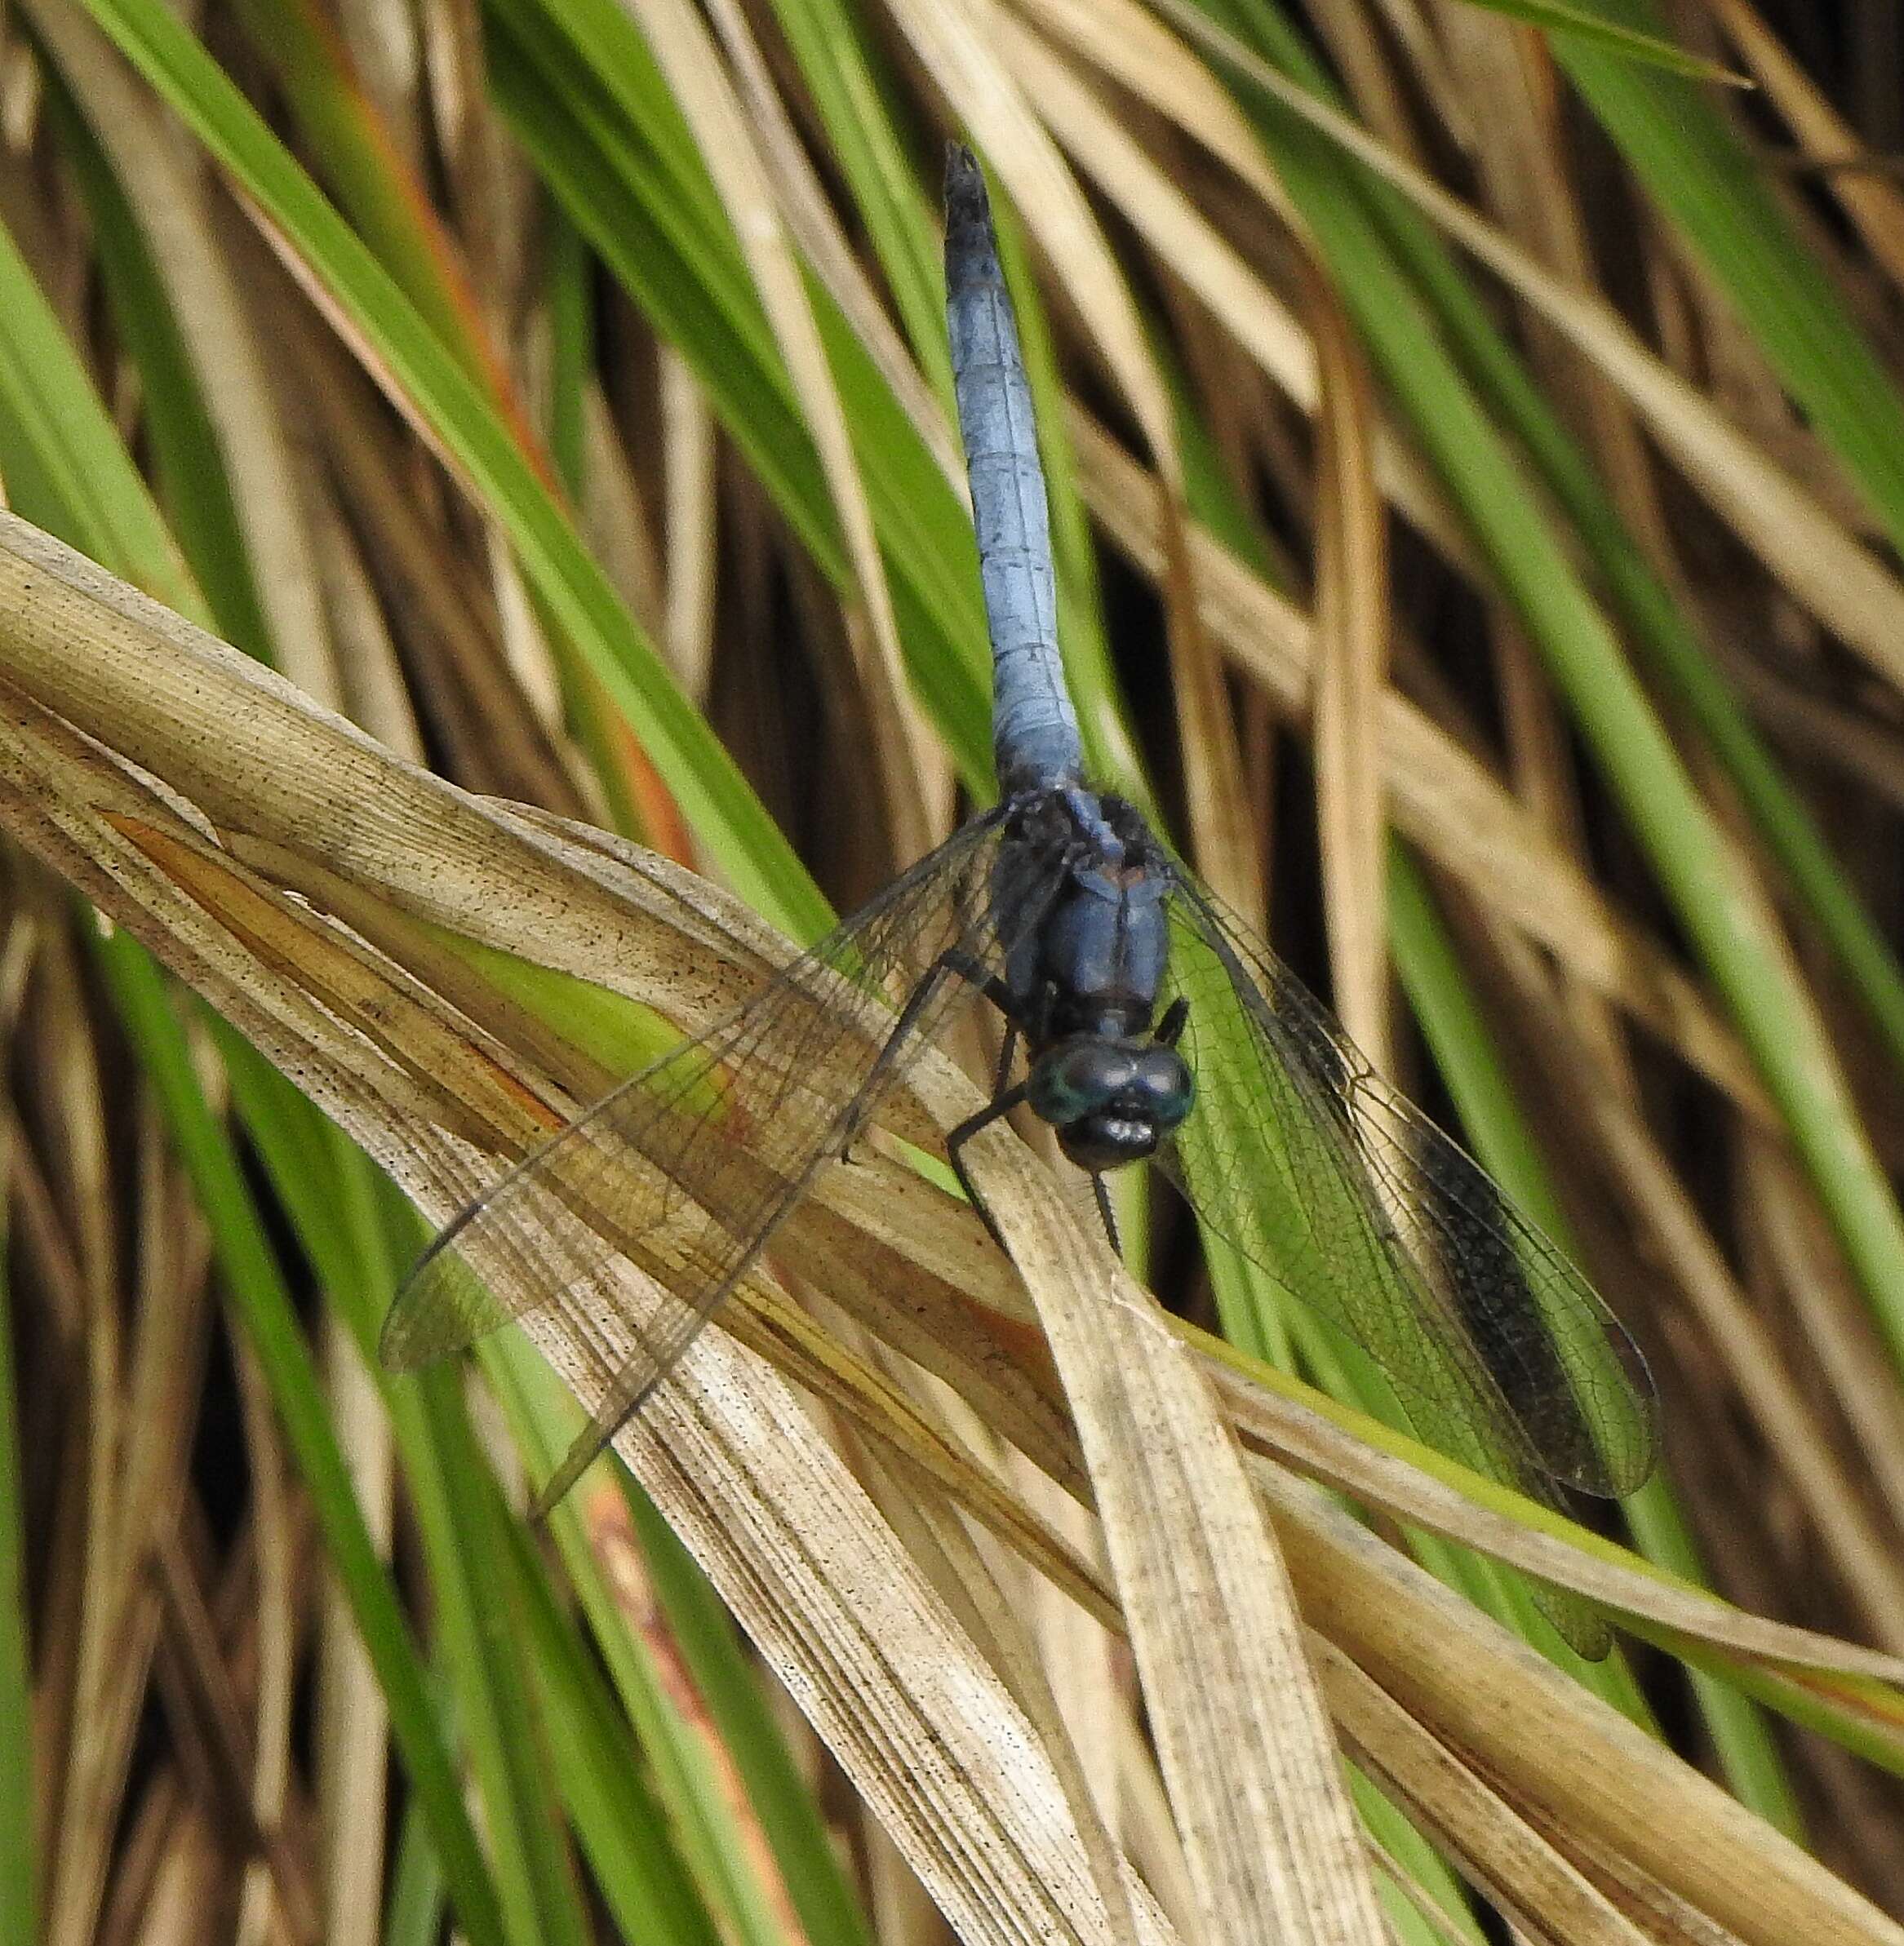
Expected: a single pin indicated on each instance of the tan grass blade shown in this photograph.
(1351, 675)
(1532, 1883)
(1342, 1451)
(1556, 1752)
(1272, 1847)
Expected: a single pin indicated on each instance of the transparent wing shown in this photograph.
(685, 1170)
(1298, 1153)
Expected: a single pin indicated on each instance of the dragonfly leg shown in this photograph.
(1108, 1215)
(1005, 1054)
(1170, 1028)
(951, 963)
(955, 1143)
(975, 973)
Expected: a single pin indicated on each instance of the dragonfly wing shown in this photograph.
(1310, 1164)
(643, 1214)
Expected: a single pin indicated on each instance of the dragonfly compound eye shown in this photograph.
(1076, 1079)
(1162, 1088)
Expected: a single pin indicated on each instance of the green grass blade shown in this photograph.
(387, 207)
(414, 1912)
(1581, 26)
(1469, 1062)
(68, 469)
(621, 1821)
(1399, 1841)
(728, 1684)
(854, 99)
(264, 1311)
(190, 479)
(1698, 170)
(713, 796)
(466, 1536)
(715, 1849)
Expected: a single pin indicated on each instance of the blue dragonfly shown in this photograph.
(1152, 1025)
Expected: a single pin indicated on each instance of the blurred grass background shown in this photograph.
(559, 390)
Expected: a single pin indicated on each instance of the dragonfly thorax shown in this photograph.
(1110, 1101)
(1093, 938)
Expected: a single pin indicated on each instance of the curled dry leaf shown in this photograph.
(929, 1734)
(305, 883)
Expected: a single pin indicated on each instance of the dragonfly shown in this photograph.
(1152, 1023)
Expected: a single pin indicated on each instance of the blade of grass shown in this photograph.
(1698, 170)
(1579, 25)
(854, 100)
(67, 467)
(429, 380)
(727, 1684)
(387, 206)
(190, 480)
(414, 1913)
(466, 1538)
(1400, 1842)
(621, 1821)
(717, 1851)
(1469, 1062)
(18, 1792)
(1723, 914)
(264, 1312)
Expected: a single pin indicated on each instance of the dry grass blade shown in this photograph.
(1562, 1756)
(1339, 1450)
(1351, 631)
(1271, 1845)
(1525, 1875)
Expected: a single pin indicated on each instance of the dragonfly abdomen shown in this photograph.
(1034, 728)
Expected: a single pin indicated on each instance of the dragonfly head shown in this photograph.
(1111, 1100)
